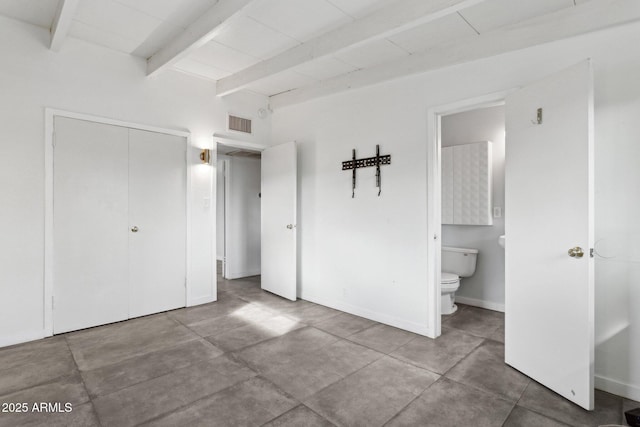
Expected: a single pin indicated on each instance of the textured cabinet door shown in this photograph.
(467, 184)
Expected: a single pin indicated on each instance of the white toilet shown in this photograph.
(456, 263)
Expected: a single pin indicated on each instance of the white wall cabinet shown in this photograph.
(119, 223)
(467, 184)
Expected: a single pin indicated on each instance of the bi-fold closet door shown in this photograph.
(119, 223)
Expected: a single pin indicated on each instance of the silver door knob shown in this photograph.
(134, 229)
(290, 226)
(576, 252)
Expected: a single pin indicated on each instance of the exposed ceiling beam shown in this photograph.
(587, 17)
(394, 18)
(199, 33)
(62, 23)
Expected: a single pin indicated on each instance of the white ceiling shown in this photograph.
(266, 28)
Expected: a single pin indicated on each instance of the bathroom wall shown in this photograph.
(486, 287)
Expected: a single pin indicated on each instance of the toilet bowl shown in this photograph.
(449, 284)
(456, 264)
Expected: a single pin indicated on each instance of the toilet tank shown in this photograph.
(460, 261)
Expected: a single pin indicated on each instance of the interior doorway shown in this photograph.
(238, 253)
(472, 164)
(549, 229)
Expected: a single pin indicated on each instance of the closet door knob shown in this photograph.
(134, 229)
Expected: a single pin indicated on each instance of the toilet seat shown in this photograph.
(449, 278)
(449, 282)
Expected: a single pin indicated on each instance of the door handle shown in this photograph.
(291, 226)
(576, 252)
(134, 229)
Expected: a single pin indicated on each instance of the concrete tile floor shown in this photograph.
(255, 359)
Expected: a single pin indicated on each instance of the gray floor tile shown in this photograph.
(108, 379)
(608, 408)
(476, 321)
(248, 314)
(303, 372)
(251, 403)
(300, 340)
(441, 354)
(162, 395)
(66, 389)
(269, 300)
(41, 364)
(447, 403)
(300, 416)
(383, 338)
(190, 315)
(485, 368)
(498, 335)
(97, 347)
(310, 313)
(245, 336)
(81, 416)
(344, 324)
(521, 417)
(372, 395)
(32, 352)
(59, 392)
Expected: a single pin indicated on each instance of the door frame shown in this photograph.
(229, 142)
(434, 197)
(50, 115)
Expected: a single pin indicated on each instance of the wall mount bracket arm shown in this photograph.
(376, 161)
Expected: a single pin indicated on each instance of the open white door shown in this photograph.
(278, 220)
(548, 224)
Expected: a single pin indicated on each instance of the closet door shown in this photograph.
(90, 266)
(157, 222)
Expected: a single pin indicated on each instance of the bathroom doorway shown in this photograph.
(549, 194)
(472, 165)
(459, 235)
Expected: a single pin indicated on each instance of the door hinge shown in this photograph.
(591, 253)
(53, 139)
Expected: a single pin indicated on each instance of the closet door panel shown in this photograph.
(90, 267)
(157, 222)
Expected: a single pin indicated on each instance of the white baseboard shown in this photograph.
(480, 303)
(22, 337)
(618, 388)
(406, 325)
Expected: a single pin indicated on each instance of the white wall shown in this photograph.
(220, 207)
(88, 79)
(243, 217)
(367, 255)
(486, 287)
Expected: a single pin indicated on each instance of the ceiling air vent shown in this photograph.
(239, 124)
